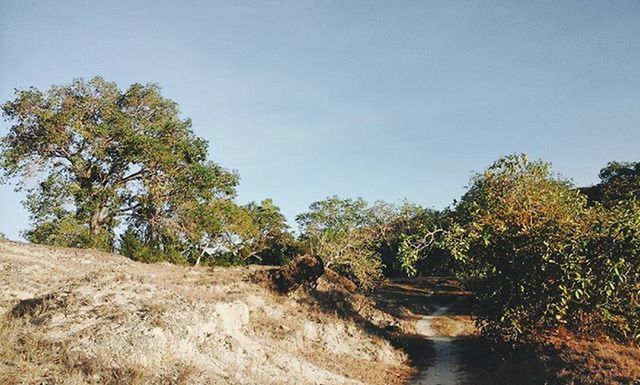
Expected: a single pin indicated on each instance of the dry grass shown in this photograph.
(28, 356)
(592, 361)
(454, 325)
(81, 317)
(560, 359)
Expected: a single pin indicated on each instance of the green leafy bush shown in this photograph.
(68, 232)
(518, 235)
(537, 256)
(336, 230)
(133, 247)
(366, 242)
(614, 272)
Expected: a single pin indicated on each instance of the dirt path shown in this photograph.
(438, 310)
(444, 348)
(445, 369)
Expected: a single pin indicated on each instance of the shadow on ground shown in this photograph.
(416, 297)
(409, 300)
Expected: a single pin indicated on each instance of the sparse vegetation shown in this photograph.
(90, 317)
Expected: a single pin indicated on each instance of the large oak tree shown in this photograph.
(102, 157)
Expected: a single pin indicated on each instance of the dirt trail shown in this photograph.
(444, 348)
(445, 369)
(438, 310)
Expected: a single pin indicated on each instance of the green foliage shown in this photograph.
(613, 302)
(107, 157)
(364, 242)
(228, 234)
(620, 181)
(336, 231)
(536, 252)
(64, 231)
(417, 234)
(272, 242)
(537, 256)
(132, 246)
(518, 233)
(406, 239)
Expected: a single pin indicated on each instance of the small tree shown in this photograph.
(365, 242)
(337, 231)
(406, 238)
(272, 243)
(234, 234)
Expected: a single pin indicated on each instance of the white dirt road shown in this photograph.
(445, 368)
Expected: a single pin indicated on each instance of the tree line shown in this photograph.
(121, 171)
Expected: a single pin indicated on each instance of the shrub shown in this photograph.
(133, 247)
(68, 232)
(365, 242)
(518, 233)
(336, 230)
(614, 271)
(537, 256)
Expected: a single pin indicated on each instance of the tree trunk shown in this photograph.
(200, 256)
(94, 224)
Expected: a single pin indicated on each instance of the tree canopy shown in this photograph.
(367, 242)
(619, 181)
(104, 158)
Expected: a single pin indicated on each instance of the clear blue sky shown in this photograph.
(379, 99)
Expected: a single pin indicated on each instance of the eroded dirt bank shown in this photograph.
(81, 317)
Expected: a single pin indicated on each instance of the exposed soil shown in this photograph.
(438, 311)
(81, 317)
(445, 368)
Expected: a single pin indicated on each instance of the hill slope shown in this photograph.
(74, 316)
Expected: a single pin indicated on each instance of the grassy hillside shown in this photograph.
(74, 316)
